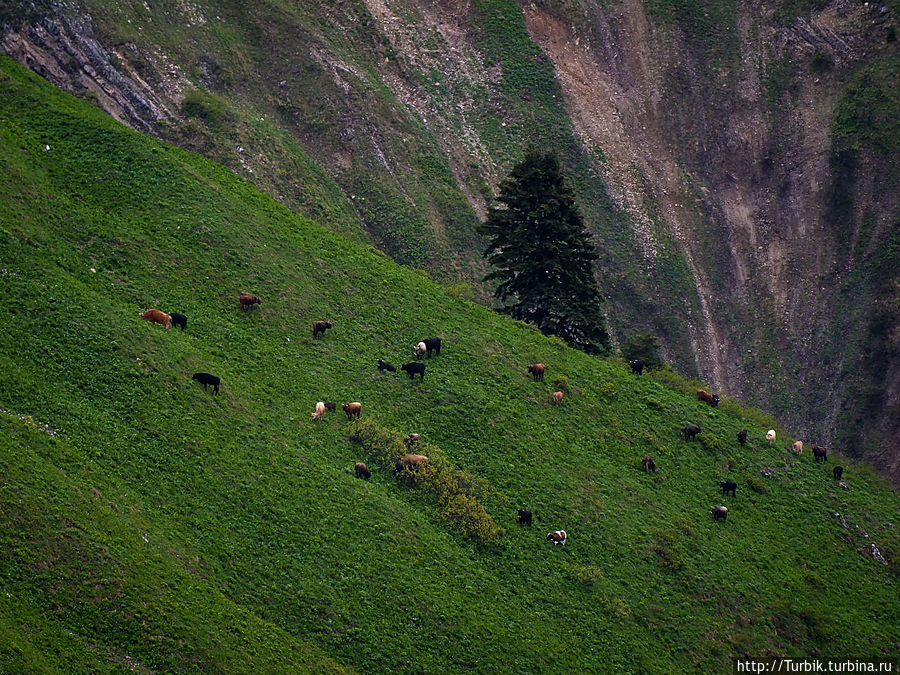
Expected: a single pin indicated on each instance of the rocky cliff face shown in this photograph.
(736, 160)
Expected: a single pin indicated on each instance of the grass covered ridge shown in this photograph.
(147, 524)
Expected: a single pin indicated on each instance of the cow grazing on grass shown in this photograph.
(410, 462)
(798, 447)
(384, 365)
(719, 513)
(770, 436)
(207, 379)
(819, 454)
(319, 411)
(157, 316)
(690, 431)
(523, 516)
(838, 472)
(419, 350)
(319, 327)
(706, 397)
(412, 439)
(647, 464)
(432, 345)
(537, 371)
(558, 537)
(352, 409)
(247, 301)
(557, 397)
(728, 486)
(414, 368)
(362, 471)
(179, 320)
(742, 436)
(637, 366)
(331, 406)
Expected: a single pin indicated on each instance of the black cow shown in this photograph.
(178, 320)
(524, 516)
(742, 436)
(728, 486)
(819, 453)
(432, 345)
(690, 431)
(205, 379)
(838, 472)
(384, 365)
(637, 366)
(413, 368)
(319, 327)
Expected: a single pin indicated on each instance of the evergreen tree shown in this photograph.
(543, 257)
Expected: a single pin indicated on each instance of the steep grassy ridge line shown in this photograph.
(172, 529)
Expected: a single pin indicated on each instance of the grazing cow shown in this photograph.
(770, 436)
(205, 379)
(384, 365)
(419, 350)
(319, 411)
(557, 397)
(537, 371)
(558, 537)
(523, 516)
(719, 513)
(819, 453)
(798, 447)
(352, 409)
(432, 345)
(362, 471)
(838, 472)
(179, 320)
(690, 431)
(410, 462)
(412, 439)
(247, 301)
(706, 397)
(331, 406)
(320, 327)
(742, 436)
(414, 368)
(647, 464)
(728, 486)
(157, 316)
(637, 366)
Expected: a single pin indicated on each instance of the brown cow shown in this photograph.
(362, 471)
(352, 409)
(819, 453)
(157, 316)
(706, 397)
(331, 406)
(557, 397)
(319, 411)
(798, 447)
(537, 371)
(647, 464)
(558, 537)
(410, 462)
(719, 513)
(320, 327)
(247, 301)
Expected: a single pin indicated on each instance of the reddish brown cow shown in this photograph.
(247, 301)
(157, 316)
(362, 471)
(537, 371)
(558, 537)
(410, 462)
(352, 409)
(706, 397)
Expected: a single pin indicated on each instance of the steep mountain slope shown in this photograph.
(749, 149)
(149, 525)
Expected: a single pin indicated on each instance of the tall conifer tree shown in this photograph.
(543, 257)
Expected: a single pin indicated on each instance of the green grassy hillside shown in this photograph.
(147, 525)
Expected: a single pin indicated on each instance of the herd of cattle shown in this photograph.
(432, 346)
